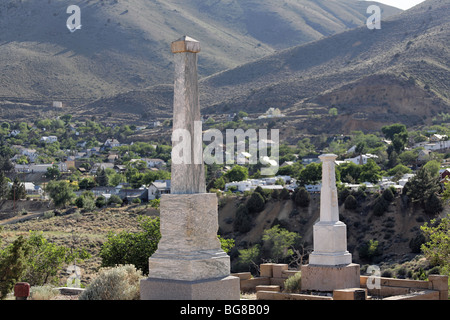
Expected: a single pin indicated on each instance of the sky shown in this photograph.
(401, 4)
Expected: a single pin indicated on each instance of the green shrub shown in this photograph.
(369, 250)
(256, 203)
(350, 203)
(117, 283)
(46, 292)
(242, 222)
(132, 248)
(302, 197)
(293, 283)
(114, 199)
(388, 195)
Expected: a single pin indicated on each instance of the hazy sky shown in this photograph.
(402, 4)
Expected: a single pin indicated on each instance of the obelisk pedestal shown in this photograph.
(189, 263)
(330, 264)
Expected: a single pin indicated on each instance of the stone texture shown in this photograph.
(188, 172)
(189, 263)
(226, 288)
(350, 294)
(329, 278)
(329, 234)
(189, 248)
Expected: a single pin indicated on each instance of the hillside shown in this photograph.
(373, 77)
(388, 75)
(393, 230)
(124, 45)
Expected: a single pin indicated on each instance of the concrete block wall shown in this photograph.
(273, 275)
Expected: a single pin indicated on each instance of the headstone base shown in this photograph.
(227, 288)
(329, 278)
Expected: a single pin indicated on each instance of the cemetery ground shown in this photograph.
(395, 231)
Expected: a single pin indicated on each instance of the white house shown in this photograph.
(157, 188)
(154, 163)
(361, 159)
(49, 139)
(111, 143)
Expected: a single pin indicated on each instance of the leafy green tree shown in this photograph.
(399, 170)
(34, 260)
(433, 167)
(311, 174)
(53, 172)
(219, 183)
(369, 250)
(278, 243)
(132, 248)
(60, 192)
(370, 172)
(12, 265)
(45, 259)
(237, 173)
(437, 246)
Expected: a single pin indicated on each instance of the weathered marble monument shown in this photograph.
(189, 263)
(330, 264)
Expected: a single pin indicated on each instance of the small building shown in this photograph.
(154, 163)
(49, 139)
(111, 143)
(157, 188)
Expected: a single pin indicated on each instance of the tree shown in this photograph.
(256, 203)
(45, 259)
(17, 190)
(370, 172)
(278, 243)
(433, 167)
(350, 203)
(242, 221)
(102, 178)
(132, 248)
(12, 265)
(237, 173)
(60, 192)
(302, 197)
(4, 189)
(433, 205)
(311, 174)
(422, 186)
(391, 130)
(369, 250)
(53, 172)
(34, 260)
(437, 246)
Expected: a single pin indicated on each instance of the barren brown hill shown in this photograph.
(397, 74)
(124, 45)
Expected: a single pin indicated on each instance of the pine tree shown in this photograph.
(4, 189)
(17, 190)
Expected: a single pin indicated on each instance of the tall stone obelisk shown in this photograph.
(330, 264)
(189, 263)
